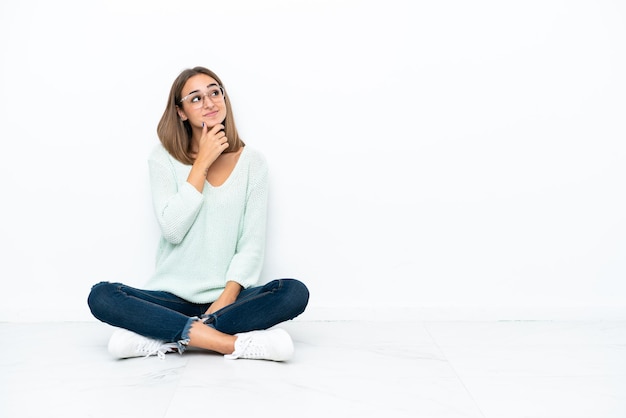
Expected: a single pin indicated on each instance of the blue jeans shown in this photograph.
(165, 316)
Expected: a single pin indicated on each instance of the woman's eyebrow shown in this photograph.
(195, 91)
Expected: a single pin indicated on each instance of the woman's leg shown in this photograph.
(164, 316)
(261, 307)
(153, 314)
(256, 308)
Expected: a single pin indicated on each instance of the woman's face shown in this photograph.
(202, 101)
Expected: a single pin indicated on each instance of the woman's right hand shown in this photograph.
(212, 143)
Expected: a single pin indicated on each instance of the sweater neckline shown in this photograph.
(232, 174)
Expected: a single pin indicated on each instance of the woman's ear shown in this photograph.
(181, 114)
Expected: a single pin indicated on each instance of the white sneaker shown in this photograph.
(126, 344)
(274, 344)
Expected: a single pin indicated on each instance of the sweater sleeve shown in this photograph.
(176, 205)
(247, 263)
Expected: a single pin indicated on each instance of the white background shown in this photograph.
(454, 159)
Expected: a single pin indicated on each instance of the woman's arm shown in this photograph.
(176, 207)
(228, 296)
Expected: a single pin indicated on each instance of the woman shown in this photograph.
(209, 192)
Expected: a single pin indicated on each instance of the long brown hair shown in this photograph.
(175, 134)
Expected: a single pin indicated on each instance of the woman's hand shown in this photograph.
(228, 296)
(212, 143)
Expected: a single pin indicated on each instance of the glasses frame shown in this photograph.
(205, 95)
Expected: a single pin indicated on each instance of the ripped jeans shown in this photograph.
(165, 316)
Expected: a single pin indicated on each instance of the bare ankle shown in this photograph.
(203, 336)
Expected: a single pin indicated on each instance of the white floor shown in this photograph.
(340, 369)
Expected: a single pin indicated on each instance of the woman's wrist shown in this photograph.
(232, 290)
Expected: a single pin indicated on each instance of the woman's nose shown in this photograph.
(207, 102)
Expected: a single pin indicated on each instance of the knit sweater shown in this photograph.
(211, 237)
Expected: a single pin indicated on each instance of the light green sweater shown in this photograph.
(211, 237)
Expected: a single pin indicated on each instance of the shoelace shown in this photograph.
(152, 347)
(252, 350)
(243, 349)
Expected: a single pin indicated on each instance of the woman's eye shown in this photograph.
(196, 98)
(214, 93)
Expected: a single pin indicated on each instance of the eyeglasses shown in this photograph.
(196, 98)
